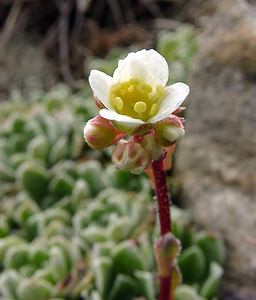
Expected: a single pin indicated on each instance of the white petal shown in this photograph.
(114, 116)
(101, 84)
(175, 95)
(146, 65)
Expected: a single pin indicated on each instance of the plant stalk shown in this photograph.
(163, 202)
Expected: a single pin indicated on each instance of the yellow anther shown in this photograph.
(140, 107)
(119, 103)
(122, 91)
(153, 110)
(160, 90)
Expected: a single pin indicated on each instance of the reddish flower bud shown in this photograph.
(130, 155)
(169, 130)
(100, 133)
(151, 145)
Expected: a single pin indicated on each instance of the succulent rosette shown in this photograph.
(136, 101)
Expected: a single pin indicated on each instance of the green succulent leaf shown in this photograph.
(146, 284)
(127, 258)
(92, 172)
(185, 292)
(59, 151)
(38, 255)
(62, 185)
(7, 243)
(93, 234)
(102, 268)
(9, 281)
(124, 287)
(120, 229)
(16, 257)
(6, 172)
(58, 263)
(34, 178)
(212, 246)
(210, 287)
(39, 148)
(31, 289)
(192, 263)
(4, 226)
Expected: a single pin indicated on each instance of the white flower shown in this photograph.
(137, 92)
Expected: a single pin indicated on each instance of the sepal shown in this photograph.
(130, 155)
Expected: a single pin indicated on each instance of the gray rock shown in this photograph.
(216, 160)
(24, 68)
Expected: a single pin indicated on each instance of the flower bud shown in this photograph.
(169, 130)
(151, 145)
(166, 248)
(100, 133)
(130, 156)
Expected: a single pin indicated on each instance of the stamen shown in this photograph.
(119, 103)
(140, 107)
(153, 110)
(136, 98)
(160, 90)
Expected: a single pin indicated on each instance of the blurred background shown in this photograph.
(71, 225)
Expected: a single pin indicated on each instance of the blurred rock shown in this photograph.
(217, 158)
(24, 68)
(198, 12)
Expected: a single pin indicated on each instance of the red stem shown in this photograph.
(165, 287)
(163, 201)
(162, 193)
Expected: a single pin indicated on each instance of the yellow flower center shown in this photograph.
(136, 99)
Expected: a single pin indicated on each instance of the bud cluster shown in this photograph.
(145, 144)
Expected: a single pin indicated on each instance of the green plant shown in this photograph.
(178, 47)
(72, 226)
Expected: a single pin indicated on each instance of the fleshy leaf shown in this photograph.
(102, 268)
(211, 285)
(146, 284)
(186, 292)
(192, 263)
(212, 246)
(124, 288)
(127, 258)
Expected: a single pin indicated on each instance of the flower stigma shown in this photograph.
(136, 99)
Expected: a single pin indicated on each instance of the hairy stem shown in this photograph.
(162, 194)
(163, 201)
